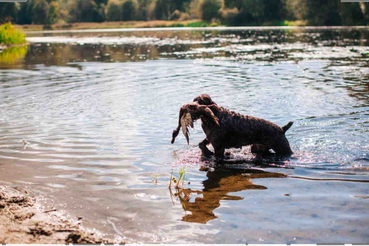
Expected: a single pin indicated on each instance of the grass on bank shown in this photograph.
(9, 35)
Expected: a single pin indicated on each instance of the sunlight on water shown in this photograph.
(96, 112)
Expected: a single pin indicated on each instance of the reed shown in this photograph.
(177, 182)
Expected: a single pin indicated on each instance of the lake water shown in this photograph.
(98, 109)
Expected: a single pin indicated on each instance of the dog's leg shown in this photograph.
(204, 150)
(219, 151)
(259, 149)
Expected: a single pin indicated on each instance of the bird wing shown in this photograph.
(186, 120)
(190, 113)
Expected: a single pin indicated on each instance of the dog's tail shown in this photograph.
(286, 127)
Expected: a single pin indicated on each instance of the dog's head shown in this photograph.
(204, 99)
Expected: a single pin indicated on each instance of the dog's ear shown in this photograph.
(286, 127)
(204, 99)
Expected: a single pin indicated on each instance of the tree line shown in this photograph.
(227, 12)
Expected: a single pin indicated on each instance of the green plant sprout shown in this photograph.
(180, 192)
(177, 182)
(155, 179)
(182, 175)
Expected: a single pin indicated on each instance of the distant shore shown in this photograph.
(115, 24)
(132, 26)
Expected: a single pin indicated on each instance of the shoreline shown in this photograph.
(220, 28)
(23, 219)
(146, 26)
(109, 25)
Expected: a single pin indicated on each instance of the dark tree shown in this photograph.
(40, 10)
(25, 12)
(210, 9)
(128, 10)
(8, 12)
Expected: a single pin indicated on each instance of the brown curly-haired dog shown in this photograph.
(227, 129)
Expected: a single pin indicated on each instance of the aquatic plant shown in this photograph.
(10, 35)
(179, 191)
(155, 179)
(177, 182)
(182, 175)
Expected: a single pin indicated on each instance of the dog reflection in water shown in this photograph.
(216, 188)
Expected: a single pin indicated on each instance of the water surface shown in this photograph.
(97, 112)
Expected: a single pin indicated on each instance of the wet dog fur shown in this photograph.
(234, 130)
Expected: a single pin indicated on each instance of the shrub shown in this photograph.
(25, 12)
(113, 12)
(210, 9)
(98, 14)
(194, 9)
(53, 15)
(8, 12)
(39, 12)
(86, 10)
(10, 35)
(128, 10)
(162, 9)
(184, 16)
(175, 15)
(228, 15)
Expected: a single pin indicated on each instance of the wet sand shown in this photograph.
(23, 219)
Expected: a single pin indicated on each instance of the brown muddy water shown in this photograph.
(97, 111)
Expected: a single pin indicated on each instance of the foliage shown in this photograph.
(296, 9)
(113, 12)
(163, 9)
(87, 10)
(129, 10)
(323, 13)
(210, 9)
(175, 15)
(25, 12)
(228, 15)
(229, 12)
(8, 12)
(352, 14)
(53, 14)
(194, 9)
(10, 35)
(40, 10)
